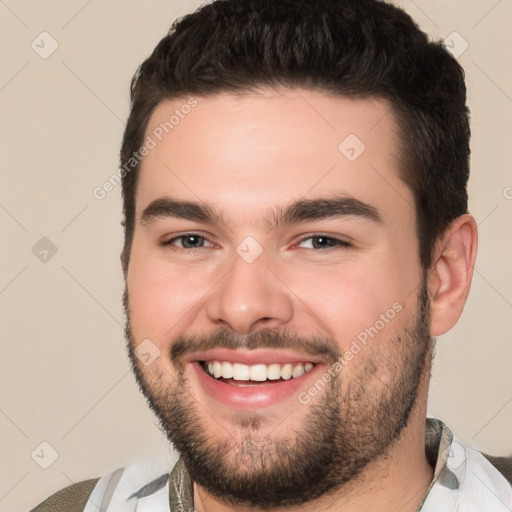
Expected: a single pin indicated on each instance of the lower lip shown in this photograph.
(250, 397)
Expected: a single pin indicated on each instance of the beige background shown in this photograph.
(64, 375)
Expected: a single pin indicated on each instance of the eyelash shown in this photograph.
(169, 243)
(339, 241)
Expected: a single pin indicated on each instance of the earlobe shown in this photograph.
(451, 274)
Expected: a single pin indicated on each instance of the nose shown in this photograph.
(250, 297)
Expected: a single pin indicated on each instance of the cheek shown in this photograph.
(354, 302)
(160, 299)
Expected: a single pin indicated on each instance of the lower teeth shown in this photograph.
(234, 382)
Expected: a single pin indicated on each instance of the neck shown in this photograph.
(398, 480)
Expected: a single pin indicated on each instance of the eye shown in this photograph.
(188, 241)
(322, 242)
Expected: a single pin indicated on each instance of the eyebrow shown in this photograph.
(298, 211)
(314, 209)
(168, 207)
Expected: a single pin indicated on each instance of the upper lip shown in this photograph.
(252, 357)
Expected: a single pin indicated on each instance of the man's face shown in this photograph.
(273, 236)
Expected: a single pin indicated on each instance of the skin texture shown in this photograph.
(249, 156)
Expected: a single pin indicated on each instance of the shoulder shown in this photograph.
(502, 464)
(143, 480)
(70, 499)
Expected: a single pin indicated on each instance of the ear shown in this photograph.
(451, 273)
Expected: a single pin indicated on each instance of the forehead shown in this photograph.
(250, 152)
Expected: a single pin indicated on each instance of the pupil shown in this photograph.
(322, 242)
(191, 241)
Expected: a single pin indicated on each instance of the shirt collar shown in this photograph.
(438, 441)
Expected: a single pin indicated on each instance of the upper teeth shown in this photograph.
(257, 372)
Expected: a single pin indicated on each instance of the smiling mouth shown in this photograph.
(239, 374)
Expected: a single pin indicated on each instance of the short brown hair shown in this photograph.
(357, 49)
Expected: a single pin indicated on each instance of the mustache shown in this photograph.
(324, 348)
